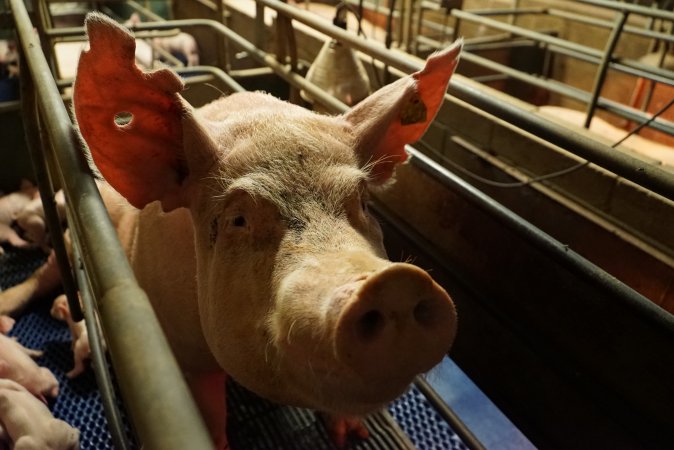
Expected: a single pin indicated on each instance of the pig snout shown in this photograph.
(364, 339)
(397, 323)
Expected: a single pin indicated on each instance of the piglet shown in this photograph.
(31, 219)
(16, 364)
(78, 330)
(27, 423)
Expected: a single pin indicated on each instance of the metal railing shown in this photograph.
(162, 410)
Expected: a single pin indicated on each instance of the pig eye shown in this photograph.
(239, 221)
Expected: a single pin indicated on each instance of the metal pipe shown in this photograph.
(632, 8)
(623, 164)
(216, 72)
(540, 37)
(163, 411)
(37, 148)
(98, 361)
(608, 24)
(580, 95)
(506, 11)
(603, 66)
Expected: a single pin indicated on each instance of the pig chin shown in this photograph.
(359, 345)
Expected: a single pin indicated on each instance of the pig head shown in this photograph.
(282, 280)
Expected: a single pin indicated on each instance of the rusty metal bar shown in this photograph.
(163, 411)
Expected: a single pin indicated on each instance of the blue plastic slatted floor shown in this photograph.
(253, 422)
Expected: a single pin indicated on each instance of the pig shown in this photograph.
(247, 224)
(78, 330)
(16, 364)
(27, 423)
(31, 219)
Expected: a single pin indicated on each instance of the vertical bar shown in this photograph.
(35, 140)
(603, 66)
(98, 361)
(259, 26)
(418, 27)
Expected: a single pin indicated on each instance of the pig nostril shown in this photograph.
(424, 313)
(123, 118)
(369, 325)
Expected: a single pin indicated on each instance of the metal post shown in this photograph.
(603, 66)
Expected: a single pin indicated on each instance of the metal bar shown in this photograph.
(163, 412)
(37, 149)
(505, 11)
(559, 252)
(540, 37)
(633, 169)
(603, 66)
(98, 361)
(614, 107)
(631, 8)
(216, 72)
(608, 24)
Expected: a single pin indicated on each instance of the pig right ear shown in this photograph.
(400, 113)
(133, 122)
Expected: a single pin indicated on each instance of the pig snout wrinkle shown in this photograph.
(398, 324)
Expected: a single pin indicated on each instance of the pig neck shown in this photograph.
(164, 261)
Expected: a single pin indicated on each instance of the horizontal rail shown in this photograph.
(631, 8)
(163, 411)
(575, 50)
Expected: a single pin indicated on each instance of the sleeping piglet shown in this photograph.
(252, 235)
(16, 364)
(27, 423)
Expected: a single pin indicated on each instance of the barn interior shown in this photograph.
(541, 198)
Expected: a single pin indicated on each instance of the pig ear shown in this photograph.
(400, 113)
(132, 121)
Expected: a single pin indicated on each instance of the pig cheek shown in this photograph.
(234, 296)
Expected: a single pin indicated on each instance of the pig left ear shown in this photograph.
(136, 124)
(399, 113)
